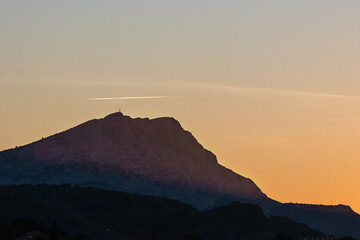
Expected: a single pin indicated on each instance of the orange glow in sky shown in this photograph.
(271, 87)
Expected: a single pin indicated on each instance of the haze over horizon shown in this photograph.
(271, 88)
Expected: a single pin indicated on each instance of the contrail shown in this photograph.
(130, 98)
(279, 92)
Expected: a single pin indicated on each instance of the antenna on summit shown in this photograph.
(120, 106)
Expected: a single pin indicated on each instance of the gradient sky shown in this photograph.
(271, 87)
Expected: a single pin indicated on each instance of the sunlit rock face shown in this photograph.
(156, 157)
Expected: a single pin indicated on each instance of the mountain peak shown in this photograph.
(151, 156)
(115, 115)
(120, 115)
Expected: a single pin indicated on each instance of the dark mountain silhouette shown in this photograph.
(90, 211)
(155, 157)
(337, 220)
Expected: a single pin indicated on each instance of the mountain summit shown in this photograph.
(156, 157)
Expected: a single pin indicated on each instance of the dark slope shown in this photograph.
(29, 229)
(337, 220)
(91, 211)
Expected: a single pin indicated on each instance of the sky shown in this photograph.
(271, 87)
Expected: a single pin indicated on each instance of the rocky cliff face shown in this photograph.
(156, 157)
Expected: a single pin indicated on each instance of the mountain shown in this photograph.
(338, 220)
(154, 157)
(90, 211)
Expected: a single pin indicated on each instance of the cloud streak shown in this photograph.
(187, 85)
(251, 91)
(130, 98)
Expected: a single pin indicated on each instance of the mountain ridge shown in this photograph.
(91, 211)
(154, 157)
(157, 150)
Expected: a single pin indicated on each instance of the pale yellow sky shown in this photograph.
(271, 87)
